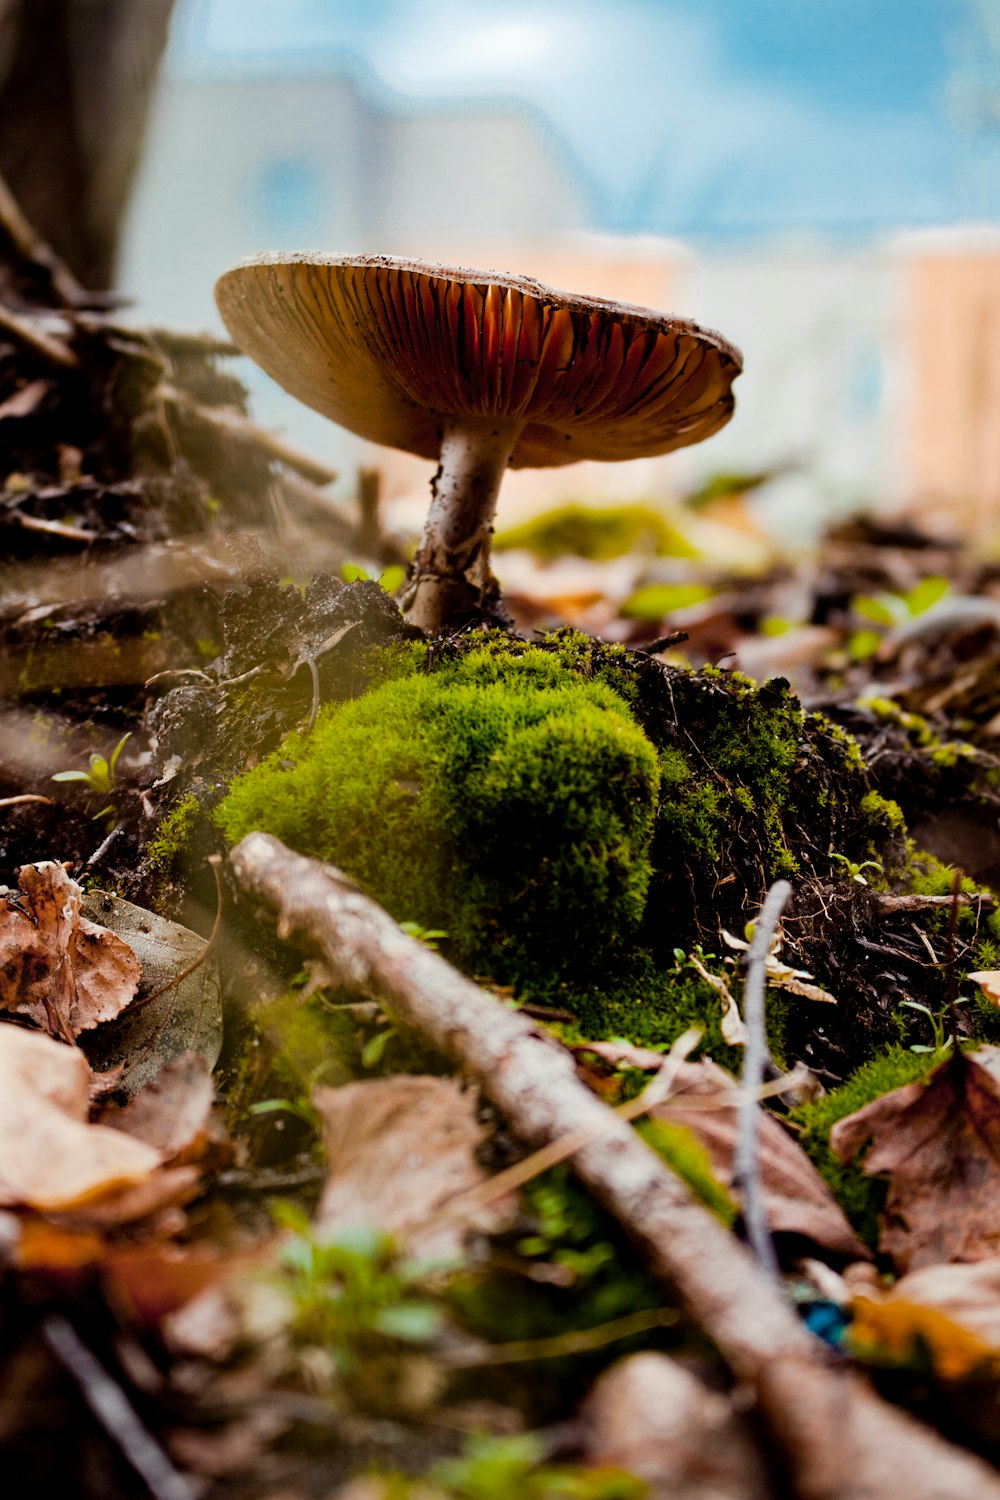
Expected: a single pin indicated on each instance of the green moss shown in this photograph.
(602, 1277)
(597, 532)
(685, 1154)
(496, 797)
(923, 874)
(862, 1198)
(651, 1006)
(945, 753)
(883, 814)
(163, 851)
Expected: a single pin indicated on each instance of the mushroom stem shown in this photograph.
(450, 580)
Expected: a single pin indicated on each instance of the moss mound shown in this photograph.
(579, 818)
(497, 797)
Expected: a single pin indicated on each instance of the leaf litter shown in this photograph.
(57, 968)
(938, 1143)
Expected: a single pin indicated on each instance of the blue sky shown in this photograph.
(715, 119)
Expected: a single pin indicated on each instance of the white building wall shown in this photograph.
(238, 165)
(821, 390)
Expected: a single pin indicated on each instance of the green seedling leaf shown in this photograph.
(924, 595)
(284, 1106)
(863, 644)
(880, 609)
(413, 1322)
(373, 1051)
(116, 752)
(654, 600)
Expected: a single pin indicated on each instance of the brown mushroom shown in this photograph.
(477, 369)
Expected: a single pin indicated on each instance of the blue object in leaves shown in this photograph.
(827, 1321)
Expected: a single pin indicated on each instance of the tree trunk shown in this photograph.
(76, 82)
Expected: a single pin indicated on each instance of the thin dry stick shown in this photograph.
(114, 1411)
(213, 937)
(560, 1345)
(755, 1058)
(837, 1440)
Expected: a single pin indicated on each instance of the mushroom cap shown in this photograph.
(395, 349)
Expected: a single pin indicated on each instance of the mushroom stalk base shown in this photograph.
(451, 582)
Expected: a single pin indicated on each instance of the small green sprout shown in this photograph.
(300, 1108)
(856, 870)
(389, 580)
(429, 936)
(942, 1038)
(101, 776)
(495, 1468)
(886, 610)
(353, 1292)
(373, 1051)
(895, 609)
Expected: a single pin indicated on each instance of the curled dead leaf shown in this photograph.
(938, 1141)
(65, 973)
(988, 981)
(966, 1297)
(399, 1149)
(705, 1100)
(172, 1112)
(51, 1158)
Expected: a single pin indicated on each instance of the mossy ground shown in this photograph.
(861, 1197)
(497, 797)
(574, 815)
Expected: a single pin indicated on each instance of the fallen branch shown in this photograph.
(888, 904)
(837, 1440)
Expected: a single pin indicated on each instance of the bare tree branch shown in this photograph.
(837, 1440)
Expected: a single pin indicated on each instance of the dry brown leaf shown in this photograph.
(172, 1113)
(399, 1149)
(951, 1313)
(145, 1283)
(43, 1245)
(51, 1159)
(155, 1203)
(901, 1331)
(938, 1140)
(66, 973)
(178, 1006)
(797, 1200)
(988, 981)
(732, 1025)
(649, 1416)
(622, 1055)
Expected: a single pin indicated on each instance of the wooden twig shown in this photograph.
(888, 903)
(837, 1440)
(53, 350)
(237, 430)
(114, 1411)
(746, 1178)
(214, 861)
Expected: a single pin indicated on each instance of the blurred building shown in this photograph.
(872, 375)
(235, 165)
(952, 354)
